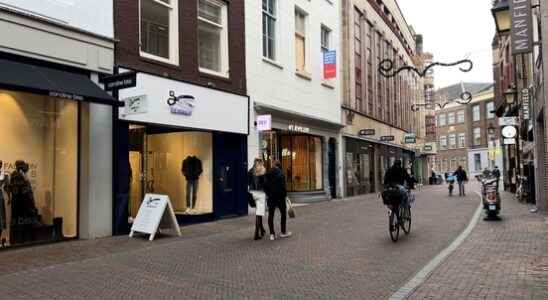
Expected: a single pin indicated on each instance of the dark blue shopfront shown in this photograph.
(203, 173)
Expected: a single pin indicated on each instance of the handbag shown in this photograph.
(290, 209)
(250, 200)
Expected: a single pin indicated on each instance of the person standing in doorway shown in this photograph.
(276, 193)
(256, 188)
(462, 178)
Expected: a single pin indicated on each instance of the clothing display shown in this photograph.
(23, 208)
(192, 169)
(3, 181)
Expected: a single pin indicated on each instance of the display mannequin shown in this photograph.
(24, 214)
(3, 180)
(191, 169)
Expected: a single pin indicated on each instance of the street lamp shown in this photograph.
(510, 96)
(501, 14)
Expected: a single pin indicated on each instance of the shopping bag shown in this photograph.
(290, 209)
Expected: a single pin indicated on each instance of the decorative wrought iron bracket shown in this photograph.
(465, 98)
(386, 67)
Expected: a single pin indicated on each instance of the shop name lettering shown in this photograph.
(66, 96)
(119, 83)
(520, 18)
(298, 128)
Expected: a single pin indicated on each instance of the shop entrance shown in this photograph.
(332, 167)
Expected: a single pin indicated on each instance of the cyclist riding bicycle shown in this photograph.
(398, 176)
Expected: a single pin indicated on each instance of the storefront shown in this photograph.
(185, 141)
(307, 150)
(43, 109)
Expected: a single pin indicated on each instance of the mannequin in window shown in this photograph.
(191, 169)
(24, 215)
(4, 179)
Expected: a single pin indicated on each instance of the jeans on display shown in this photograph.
(191, 193)
(461, 188)
(283, 211)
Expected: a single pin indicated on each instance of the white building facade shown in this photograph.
(285, 45)
(58, 119)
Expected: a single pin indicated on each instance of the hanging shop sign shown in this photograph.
(264, 122)
(297, 128)
(181, 105)
(509, 132)
(120, 81)
(366, 132)
(522, 26)
(387, 138)
(409, 138)
(155, 213)
(525, 97)
(135, 105)
(329, 64)
(509, 141)
(508, 121)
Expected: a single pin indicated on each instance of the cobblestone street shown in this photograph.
(340, 250)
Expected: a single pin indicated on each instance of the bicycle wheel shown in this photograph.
(393, 227)
(406, 220)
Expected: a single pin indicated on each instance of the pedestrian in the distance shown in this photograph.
(276, 193)
(496, 173)
(256, 179)
(462, 178)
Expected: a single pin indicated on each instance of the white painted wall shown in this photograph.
(276, 84)
(91, 15)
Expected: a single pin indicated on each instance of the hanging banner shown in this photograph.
(329, 64)
(522, 26)
(525, 97)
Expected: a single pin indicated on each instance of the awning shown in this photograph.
(56, 83)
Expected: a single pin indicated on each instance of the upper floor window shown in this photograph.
(213, 37)
(325, 38)
(300, 41)
(462, 140)
(460, 116)
(269, 29)
(476, 115)
(452, 141)
(450, 118)
(158, 30)
(477, 136)
(490, 107)
(443, 142)
(441, 120)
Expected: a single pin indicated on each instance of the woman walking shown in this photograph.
(256, 188)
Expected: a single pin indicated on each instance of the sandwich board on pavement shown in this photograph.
(155, 213)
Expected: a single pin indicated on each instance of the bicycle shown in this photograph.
(403, 218)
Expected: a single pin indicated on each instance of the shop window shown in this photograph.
(302, 157)
(213, 37)
(177, 164)
(269, 28)
(158, 30)
(38, 168)
(300, 41)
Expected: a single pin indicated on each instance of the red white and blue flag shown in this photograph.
(329, 64)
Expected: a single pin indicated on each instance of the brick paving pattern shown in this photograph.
(339, 250)
(499, 260)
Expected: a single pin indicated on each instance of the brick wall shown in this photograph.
(126, 30)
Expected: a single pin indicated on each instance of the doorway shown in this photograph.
(332, 167)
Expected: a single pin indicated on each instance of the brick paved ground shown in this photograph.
(499, 260)
(340, 250)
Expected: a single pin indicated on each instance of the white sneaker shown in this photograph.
(286, 235)
(272, 237)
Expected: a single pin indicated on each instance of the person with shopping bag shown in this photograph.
(276, 194)
(256, 189)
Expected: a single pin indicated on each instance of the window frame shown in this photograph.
(460, 114)
(173, 42)
(488, 114)
(272, 15)
(303, 35)
(476, 117)
(462, 137)
(451, 116)
(443, 142)
(442, 117)
(476, 134)
(452, 140)
(328, 31)
(224, 63)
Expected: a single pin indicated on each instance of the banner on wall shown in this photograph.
(329, 64)
(155, 213)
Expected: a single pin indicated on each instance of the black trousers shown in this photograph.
(272, 210)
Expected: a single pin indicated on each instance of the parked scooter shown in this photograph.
(490, 196)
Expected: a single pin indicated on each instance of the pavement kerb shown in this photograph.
(421, 276)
